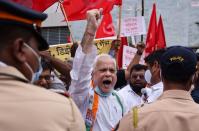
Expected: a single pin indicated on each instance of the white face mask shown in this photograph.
(148, 76)
(35, 75)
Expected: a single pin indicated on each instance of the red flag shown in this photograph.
(118, 2)
(120, 51)
(39, 5)
(42, 5)
(161, 42)
(106, 28)
(151, 34)
(76, 9)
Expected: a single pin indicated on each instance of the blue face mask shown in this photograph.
(101, 93)
(35, 75)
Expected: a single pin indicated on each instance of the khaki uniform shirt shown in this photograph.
(25, 107)
(174, 111)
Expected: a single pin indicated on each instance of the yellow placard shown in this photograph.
(103, 46)
(62, 51)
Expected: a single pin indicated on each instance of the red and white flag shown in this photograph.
(106, 28)
(76, 9)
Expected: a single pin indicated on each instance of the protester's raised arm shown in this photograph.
(136, 59)
(82, 63)
(93, 17)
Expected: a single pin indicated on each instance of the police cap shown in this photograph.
(178, 61)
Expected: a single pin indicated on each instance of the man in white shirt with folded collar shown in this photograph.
(131, 94)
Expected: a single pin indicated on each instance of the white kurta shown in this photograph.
(109, 110)
(131, 99)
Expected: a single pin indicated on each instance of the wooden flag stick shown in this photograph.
(118, 41)
(65, 16)
(142, 37)
(119, 25)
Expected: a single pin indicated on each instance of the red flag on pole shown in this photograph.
(76, 9)
(42, 5)
(161, 42)
(151, 34)
(120, 51)
(106, 28)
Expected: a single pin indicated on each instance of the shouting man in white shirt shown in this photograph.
(99, 104)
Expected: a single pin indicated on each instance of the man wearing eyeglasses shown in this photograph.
(45, 79)
(48, 80)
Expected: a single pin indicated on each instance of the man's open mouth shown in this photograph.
(107, 83)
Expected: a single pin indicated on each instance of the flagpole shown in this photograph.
(142, 37)
(67, 22)
(119, 25)
(118, 41)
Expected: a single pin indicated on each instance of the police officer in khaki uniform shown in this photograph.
(23, 106)
(175, 110)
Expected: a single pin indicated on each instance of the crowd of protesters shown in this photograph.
(41, 93)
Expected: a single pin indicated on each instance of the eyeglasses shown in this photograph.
(47, 77)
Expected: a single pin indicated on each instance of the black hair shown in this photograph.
(8, 33)
(154, 56)
(138, 67)
(46, 65)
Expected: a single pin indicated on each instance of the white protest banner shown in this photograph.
(133, 26)
(195, 3)
(128, 54)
